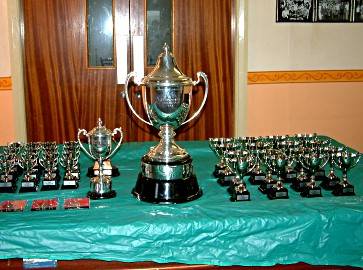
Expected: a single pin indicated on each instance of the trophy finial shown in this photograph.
(166, 48)
(99, 122)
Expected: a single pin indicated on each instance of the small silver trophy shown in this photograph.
(100, 149)
(345, 160)
(166, 170)
(313, 161)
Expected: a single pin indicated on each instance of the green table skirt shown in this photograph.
(210, 230)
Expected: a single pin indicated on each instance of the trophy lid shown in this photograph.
(100, 130)
(166, 71)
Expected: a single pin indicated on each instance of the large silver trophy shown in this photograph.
(166, 170)
(100, 149)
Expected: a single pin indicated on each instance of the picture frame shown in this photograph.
(294, 11)
(358, 11)
(334, 11)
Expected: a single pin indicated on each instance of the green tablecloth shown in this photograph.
(210, 230)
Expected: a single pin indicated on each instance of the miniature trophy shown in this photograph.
(238, 188)
(331, 180)
(229, 173)
(166, 170)
(32, 168)
(48, 159)
(7, 175)
(257, 175)
(69, 160)
(218, 146)
(345, 160)
(100, 149)
(313, 161)
(278, 191)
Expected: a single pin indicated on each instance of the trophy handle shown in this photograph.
(126, 93)
(359, 155)
(200, 74)
(115, 131)
(84, 132)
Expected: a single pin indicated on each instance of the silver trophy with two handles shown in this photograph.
(166, 170)
(100, 149)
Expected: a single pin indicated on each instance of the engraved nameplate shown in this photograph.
(27, 184)
(69, 183)
(333, 183)
(259, 177)
(314, 192)
(5, 184)
(348, 190)
(280, 194)
(291, 175)
(49, 183)
(242, 197)
(269, 185)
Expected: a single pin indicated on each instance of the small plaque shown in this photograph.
(69, 182)
(13, 206)
(6, 184)
(243, 197)
(49, 183)
(314, 192)
(76, 203)
(348, 190)
(48, 204)
(27, 184)
(280, 194)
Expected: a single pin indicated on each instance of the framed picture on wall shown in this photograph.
(334, 10)
(294, 10)
(358, 11)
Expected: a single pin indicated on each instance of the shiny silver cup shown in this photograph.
(166, 96)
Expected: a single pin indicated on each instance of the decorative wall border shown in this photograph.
(305, 76)
(5, 83)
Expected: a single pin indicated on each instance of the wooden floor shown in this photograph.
(103, 265)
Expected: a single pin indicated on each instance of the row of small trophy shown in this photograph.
(298, 160)
(37, 165)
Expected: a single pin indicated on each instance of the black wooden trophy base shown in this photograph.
(166, 191)
(341, 189)
(8, 189)
(329, 183)
(277, 192)
(311, 191)
(226, 180)
(240, 196)
(99, 196)
(257, 178)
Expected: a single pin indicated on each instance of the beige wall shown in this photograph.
(7, 130)
(333, 108)
(300, 46)
(4, 41)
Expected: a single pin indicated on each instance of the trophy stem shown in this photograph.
(167, 134)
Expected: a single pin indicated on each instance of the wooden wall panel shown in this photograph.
(63, 94)
(203, 42)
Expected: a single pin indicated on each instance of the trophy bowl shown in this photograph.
(166, 170)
